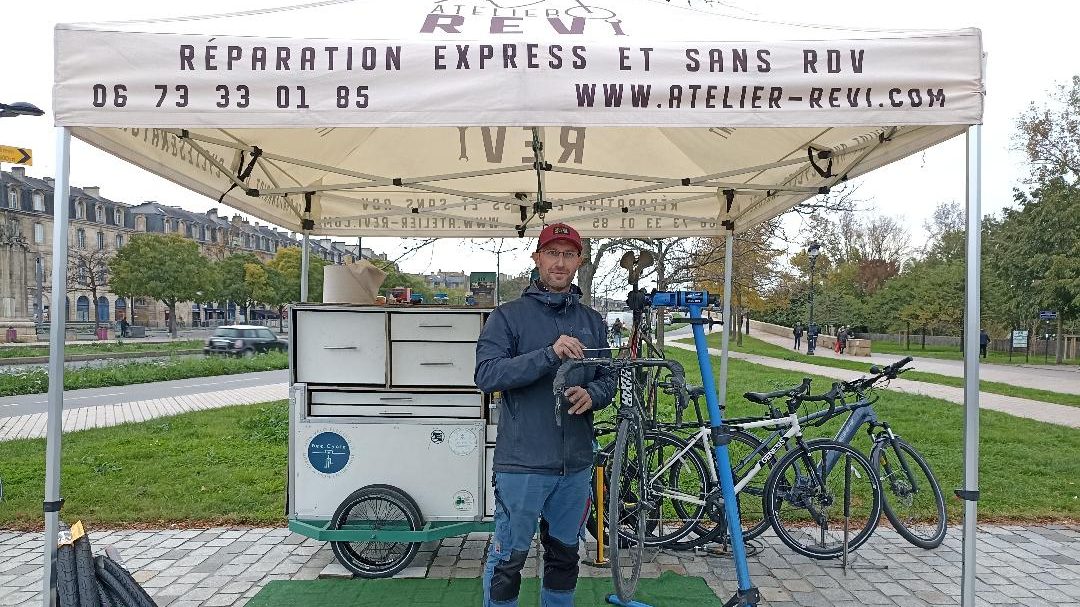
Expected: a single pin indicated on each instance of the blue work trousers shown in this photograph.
(521, 500)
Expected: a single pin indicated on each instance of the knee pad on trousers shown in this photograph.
(506, 579)
(560, 564)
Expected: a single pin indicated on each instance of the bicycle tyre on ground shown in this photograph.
(374, 559)
(628, 489)
(796, 486)
(924, 529)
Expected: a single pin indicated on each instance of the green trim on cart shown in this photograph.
(434, 530)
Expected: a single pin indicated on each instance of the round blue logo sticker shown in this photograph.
(328, 452)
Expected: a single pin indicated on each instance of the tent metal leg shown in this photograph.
(57, 322)
(725, 337)
(305, 257)
(972, 326)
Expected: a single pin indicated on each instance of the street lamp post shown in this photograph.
(812, 251)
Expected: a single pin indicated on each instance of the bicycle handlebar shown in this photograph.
(558, 387)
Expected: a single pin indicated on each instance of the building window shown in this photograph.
(119, 240)
(80, 238)
(39, 201)
(213, 235)
(165, 226)
(13, 198)
(118, 217)
(14, 228)
(80, 210)
(101, 241)
(39, 233)
(140, 223)
(99, 213)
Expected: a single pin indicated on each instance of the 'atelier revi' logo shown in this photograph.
(566, 17)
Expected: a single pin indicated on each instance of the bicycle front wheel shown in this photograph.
(820, 494)
(911, 494)
(626, 509)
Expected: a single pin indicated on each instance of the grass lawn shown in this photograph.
(225, 466)
(752, 345)
(998, 358)
(36, 381)
(228, 466)
(104, 347)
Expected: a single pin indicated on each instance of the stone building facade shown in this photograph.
(98, 227)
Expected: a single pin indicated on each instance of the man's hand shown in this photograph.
(568, 347)
(579, 398)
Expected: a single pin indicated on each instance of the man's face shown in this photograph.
(557, 270)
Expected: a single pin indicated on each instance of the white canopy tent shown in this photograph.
(489, 118)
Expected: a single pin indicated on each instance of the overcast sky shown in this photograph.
(1031, 48)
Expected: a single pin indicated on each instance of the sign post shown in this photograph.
(16, 155)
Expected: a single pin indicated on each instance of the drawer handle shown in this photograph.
(395, 398)
(340, 347)
(436, 364)
(436, 326)
(395, 412)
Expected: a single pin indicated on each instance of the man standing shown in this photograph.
(812, 332)
(984, 341)
(542, 469)
(797, 331)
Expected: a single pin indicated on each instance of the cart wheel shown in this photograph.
(380, 507)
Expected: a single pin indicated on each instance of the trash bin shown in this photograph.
(12, 334)
(102, 333)
(136, 331)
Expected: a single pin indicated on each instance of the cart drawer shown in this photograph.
(434, 327)
(340, 347)
(395, 404)
(432, 364)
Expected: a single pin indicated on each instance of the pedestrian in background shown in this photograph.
(797, 331)
(984, 341)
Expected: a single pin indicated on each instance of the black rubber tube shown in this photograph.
(86, 574)
(67, 587)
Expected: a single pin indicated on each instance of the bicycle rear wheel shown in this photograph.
(808, 492)
(911, 495)
(626, 510)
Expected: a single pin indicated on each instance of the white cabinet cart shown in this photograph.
(390, 441)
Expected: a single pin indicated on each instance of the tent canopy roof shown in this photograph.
(422, 118)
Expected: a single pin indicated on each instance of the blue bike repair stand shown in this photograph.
(695, 302)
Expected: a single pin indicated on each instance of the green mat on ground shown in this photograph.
(669, 590)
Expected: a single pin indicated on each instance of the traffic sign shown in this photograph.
(1047, 315)
(16, 155)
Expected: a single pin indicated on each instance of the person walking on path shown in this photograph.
(812, 332)
(841, 340)
(984, 341)
(797, 331)
(616, 332)
(541, 470)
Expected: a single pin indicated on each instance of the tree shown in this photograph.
(1050, 135)
(234, 286)
(88, 270)
(268, 287)
(169, 268)
(288, 262)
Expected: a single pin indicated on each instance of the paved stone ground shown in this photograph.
(1034, 566)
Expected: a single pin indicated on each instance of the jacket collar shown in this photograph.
(561, 302)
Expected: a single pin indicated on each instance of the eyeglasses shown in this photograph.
(554, 255)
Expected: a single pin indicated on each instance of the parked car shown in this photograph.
(243, 340)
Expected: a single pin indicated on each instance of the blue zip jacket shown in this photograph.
(514, 355)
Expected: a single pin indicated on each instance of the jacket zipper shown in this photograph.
(562, 426)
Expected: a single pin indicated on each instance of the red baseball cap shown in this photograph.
(558, 231)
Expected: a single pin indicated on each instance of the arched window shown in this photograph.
(99, 213)
(13, 197)
(118, 216)
(103, 309)
(39, 201)
(82, 308)
(165, 225)
(121, 308)
(140, 223)
(80, 209)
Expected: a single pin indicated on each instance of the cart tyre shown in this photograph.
(360, 561)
